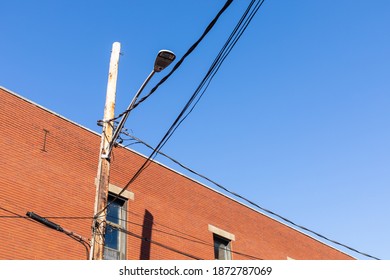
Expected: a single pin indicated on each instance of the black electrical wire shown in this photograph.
(15, 215)
(155, 242)
(210, 74)
(240, 28)
(174, 235)
(251, 202)
(162, 142)
(212, 71)
(226, 49)
(177, 65)
(182, 236)
(38, 219)
(224, 52)
(165, 226)
(207, 30)
(191, 239)
(176, 250)
(180, 119)
(81, 240)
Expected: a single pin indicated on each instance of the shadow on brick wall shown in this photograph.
(146, 236)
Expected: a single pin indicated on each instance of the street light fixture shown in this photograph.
(164, 59)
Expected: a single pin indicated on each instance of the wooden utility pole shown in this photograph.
(103, 174)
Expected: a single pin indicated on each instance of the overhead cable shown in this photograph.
(241, 26)
(192, 239)
(250, 201)
(167, 135)
(177, 65)
(46, 222)
(155, 242)
(236, 34)
(182, 115)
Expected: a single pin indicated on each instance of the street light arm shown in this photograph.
(164, 59)
(118, 129)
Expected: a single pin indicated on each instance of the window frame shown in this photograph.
(120, 227)
(224, 245)
(224, 236)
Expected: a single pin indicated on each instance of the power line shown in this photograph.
(181, 237)
(44, 220)
(30, 216)
(191, 239)
(165, 226)
(15, 215)
(167, 135)
(80, 239)
(225, 51)
(206, 81)
(177, 65)
(250, 201)
(155, 242)
(236, 34)
(73, 203)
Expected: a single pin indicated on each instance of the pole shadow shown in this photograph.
(146, 236)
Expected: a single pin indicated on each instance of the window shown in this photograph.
(222, 243)
(221, 248)
(115, 239)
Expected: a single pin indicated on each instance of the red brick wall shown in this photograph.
(59, 183)
(55, 182)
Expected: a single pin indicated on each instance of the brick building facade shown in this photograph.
(49, 167)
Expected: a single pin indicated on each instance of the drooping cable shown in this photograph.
(251, 202)
(177, 65)
(215, 65)
(178, 233)
(224, 52)
(181, 237)
(15, 215)
(184, 113)
(36, 218)
(155, 242)
(236, 34)
(162, 142)
(57, 227)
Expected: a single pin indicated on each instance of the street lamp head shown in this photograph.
(163, 59)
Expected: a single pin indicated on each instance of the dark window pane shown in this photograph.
(112, 238)
(114, 210)
(113, 213)
(221, 248)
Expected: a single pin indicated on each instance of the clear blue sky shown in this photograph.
(297, 119)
